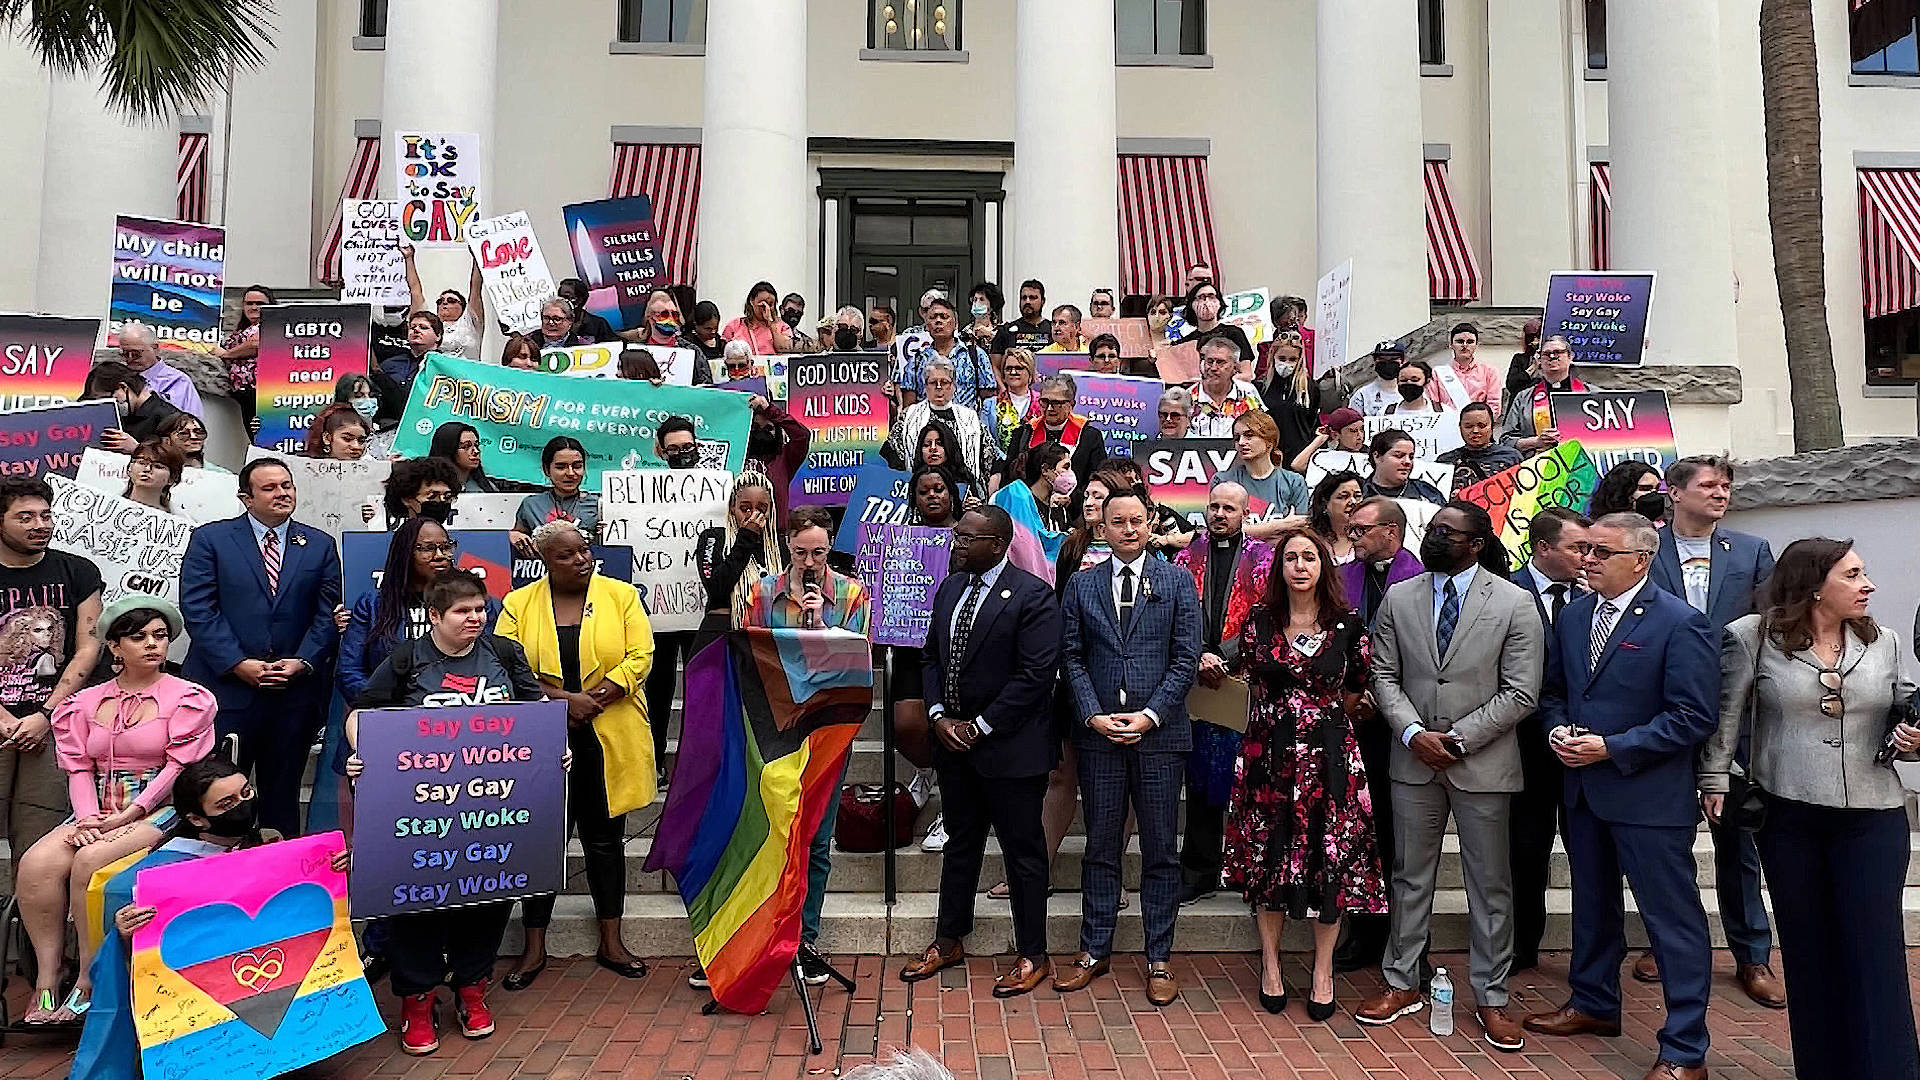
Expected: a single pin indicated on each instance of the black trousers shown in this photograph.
(602, 836)
(1837, 877)
(1203, 844)
(973, 803)
(423, 946)
(1537, 814)
(276, 737)
(1367, 937)
(669, 649)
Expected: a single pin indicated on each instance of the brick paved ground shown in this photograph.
(580, 1021)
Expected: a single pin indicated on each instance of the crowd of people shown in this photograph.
(1323, 679)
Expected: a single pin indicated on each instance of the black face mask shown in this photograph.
(688, 458)
(436, 510)
(764, 442)
(236, 820)
(1436, 554)
(846, 339)
(1386, 369)
(1654, 506)
(792, 318)
(1410, 392)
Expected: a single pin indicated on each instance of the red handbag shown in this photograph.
(862, 827)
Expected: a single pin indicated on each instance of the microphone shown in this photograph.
(811, 586)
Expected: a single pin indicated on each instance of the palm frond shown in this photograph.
(155, 58)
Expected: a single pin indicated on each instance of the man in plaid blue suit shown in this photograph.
(1131, 651)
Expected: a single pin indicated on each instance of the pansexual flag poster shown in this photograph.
(304, 350)
(1563, 476)
(1617, 426)
(168, 274)
(838, 396)
(44, 359)
(250, 967)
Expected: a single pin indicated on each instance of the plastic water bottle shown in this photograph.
(1440, 1014)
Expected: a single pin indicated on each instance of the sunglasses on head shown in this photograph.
(1832, 705)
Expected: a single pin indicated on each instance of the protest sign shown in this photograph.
(39, 442)
(902, 566)
(372, 269)
(1248, 311)
(137, 548)
(1121, 406)
(1136, 337)
(1617, 426)
(1179, 472)
(1179, 365)
(660, 514)
(200, 495)
(1603, 316)
(1053, 363)
(304, 350)
(1563, 476)
(602, 361)
(1332, 304)
(613, 561)
(331, 493)
(517, 412)
(249, 965)
(44, 359)
(1434, 431)
(485, 509)
(839, 397)
(1356, 461)
(436, 180)
(752, 386)
(617, 252)
(511, 267)
(879, 496)
(463, 802)
(167, 274)
(485, 553)
(776, 373)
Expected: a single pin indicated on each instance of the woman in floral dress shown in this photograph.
(1299, 836)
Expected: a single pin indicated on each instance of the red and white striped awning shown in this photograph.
(669, 175)
(1600, 217)
(363, 180)
(1453, 274)
(1889, 240)
(1166, 223)
(190, 178)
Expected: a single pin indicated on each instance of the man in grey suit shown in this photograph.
(1457, 658)
(1131, 650)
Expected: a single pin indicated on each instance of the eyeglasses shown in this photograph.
(447, 548)
(1173, 416)
(961, 539)
(192, 433)
(1599, 553)
(1447, 534)
(1355, 532)
(1056, 403)
(1832, 705)
(451, 300)
(1555, 352)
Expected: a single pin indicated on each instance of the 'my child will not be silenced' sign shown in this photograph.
(459, 805)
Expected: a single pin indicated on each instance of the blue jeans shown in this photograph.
(820, 862)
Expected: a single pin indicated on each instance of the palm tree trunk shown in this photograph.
(1790, 91)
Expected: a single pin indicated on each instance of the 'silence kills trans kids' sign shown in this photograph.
(459, 804)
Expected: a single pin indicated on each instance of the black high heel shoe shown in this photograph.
(1274, 1003)
(1321, 1011)
(517, 981)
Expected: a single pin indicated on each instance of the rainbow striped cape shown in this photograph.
(770, 716)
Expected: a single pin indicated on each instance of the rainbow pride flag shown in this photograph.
(770, 717)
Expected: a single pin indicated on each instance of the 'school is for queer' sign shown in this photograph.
(459, 805)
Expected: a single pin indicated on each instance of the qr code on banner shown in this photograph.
(713, 453)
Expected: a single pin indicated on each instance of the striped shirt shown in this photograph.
(772, 604)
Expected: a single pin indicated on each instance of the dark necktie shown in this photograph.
(1449, 616)
(1126, 598)
(962, 630)
(1557, 602)
(1602, 630)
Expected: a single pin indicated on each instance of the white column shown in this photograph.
(1665, 113)
(439, 72)
(262, 159)
(96, 165)
(1063, 192)
(1370, 192)
(755, 202)
(23, 128)
(1529, 141)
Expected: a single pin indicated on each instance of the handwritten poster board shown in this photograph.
(1563, 476)
(1617, 426)
(249, 966)
(372, 270)
(1121, 406)
(44, 359)
(1180, 472)
(1332, 308)
(1179, 365)
(331, 493)
(137, 548)
(1603, 316)
(436, 180)
(616, 249)
(903, 566)
(1434, 433)
(39, 442)
(660, 514)
(200, 496)
(462, 802)
(168, 275)
(602, 361)
(304, 350)
(512, 269)
(839, 397)
(1135, 336)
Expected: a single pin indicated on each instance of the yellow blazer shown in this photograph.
(616, 642)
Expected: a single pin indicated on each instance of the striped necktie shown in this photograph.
(270, 555)
(1602, 630)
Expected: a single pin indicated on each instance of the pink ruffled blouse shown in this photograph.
(179, 733)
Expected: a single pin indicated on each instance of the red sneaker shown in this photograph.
(471, 1005)
(417, 1035)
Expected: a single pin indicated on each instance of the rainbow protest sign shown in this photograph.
(1562, 476)
(304, 350)
(1617, 426)
(44, 359)
(168, 274)
(1179, 472)
(250, 966)
(838, 396)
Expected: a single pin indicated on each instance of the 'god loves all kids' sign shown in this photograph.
(460, 804)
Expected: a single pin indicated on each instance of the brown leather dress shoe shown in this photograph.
(1503, 1031)
(1082, 971)
(1762, 985)
(1162, 987)
(1667, 1070)
(1388, 1006)
(1646, 968)
(1568, 1020)
(936, 959)
(1025, 978)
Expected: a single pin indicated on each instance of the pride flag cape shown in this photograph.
(1035, 547)
(770, 716)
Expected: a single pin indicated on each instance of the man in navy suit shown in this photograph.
(1632, 688)
(1718, 571)
(258, 592)
(1557, 538)
(993, 649)
(1131, 649)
